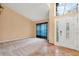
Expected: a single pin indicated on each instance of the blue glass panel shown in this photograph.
(43, 29)
(38, 30)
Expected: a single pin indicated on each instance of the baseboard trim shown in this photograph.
(15, 39)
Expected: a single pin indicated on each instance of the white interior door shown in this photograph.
(59, 32)
(78, 7)
(68, 29)
(71, 35)
(77, 34)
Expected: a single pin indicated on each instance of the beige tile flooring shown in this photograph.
(34, 47)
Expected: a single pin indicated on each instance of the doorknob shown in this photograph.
(60, 32)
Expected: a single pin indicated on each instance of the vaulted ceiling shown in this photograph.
(34, 11)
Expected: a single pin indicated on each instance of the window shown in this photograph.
(63, 8)
(41, 30)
